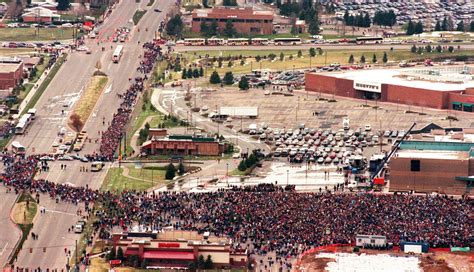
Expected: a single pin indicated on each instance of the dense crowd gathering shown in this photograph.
(110, 139)
(267, 218)
(6, 129)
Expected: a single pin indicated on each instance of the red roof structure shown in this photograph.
(169, 255)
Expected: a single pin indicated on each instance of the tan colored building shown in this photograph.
(433, 166)
(245, 20)
(177, 249)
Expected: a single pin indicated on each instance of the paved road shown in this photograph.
(65, 89)
(308, 46)
(9, 233)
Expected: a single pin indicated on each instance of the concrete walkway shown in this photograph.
(134, 139)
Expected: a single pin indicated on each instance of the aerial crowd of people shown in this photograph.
(110, 139)
(266, 218)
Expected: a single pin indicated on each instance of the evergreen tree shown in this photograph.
(242, 166)
(362, 59)
(175, 26)
(183, 75)
(258, 58)
(419, 27)
(428, 48)
(229, 30)
(170, 172)
(313, 27)
(351, 59)
(444, 24)
(189, 73)
(205, 3)
(419, 50)
(204, 28)
(300, 54)
(312, 52)
(228, 78)
(366, 20)
(413, 49)
(460, 26)
(374, 58)
(215, 78)
(282, 56)
(181, 169)
(385, 57)
(201, 71)
(120, 254)
(201, 262)
(438, 26)
(410, 28)
(450, 49)
(439, 49)
(195, 73)
(111, 255)
(244, 83)
(213, 29)
(472, 27)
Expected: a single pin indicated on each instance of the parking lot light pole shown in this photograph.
(287, 177)
(227, 174)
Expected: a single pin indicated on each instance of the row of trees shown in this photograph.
(190, 73)
(171, 170)
(374, 58)
(247, 163)
(382, 18)
(228, 79)
(414, 28)
(429, 49)
(305, 10)
(212, 29)
(359, 20)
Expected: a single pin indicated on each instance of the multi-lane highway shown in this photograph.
(61, 95)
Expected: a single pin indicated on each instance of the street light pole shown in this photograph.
(287, 177)
(227, 174)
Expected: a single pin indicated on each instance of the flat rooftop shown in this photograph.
(9, 67)
(394, 77)
(433, 154)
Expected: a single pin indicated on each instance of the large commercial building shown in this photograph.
(177, 249)
(183, 145)
(245, 20)
(440, 88)
(443, 164)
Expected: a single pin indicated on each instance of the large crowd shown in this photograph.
(110, 139)
(267, 218)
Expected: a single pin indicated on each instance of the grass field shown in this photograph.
(45, 84)
(91, 95)
(15, 51)
(30, 34)
(138, 16)
(328, 57)
(115, 181)
(157, 175)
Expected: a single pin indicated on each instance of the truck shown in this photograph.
(80, 140)
(345, 123)
(252, 129)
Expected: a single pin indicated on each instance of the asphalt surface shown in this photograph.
(9, 232)
(62, 94)
(308, 46)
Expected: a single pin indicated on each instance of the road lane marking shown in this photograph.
(4, 248)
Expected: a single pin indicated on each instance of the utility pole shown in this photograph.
(75, 267)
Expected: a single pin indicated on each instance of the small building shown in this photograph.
(157, 132)
(177, 249)
(245, 20)
(40, 15)
(184, 145)
(371, 240)
(10, 74)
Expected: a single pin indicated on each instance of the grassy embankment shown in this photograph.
(23, 214)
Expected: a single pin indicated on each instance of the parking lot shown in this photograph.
(316, 111)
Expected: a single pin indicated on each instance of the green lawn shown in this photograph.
(29, 34)
(328, 57)
(137, 16)
(28, 86)
(155, 175)
(115, 181)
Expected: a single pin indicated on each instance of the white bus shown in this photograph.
(32, 112)
(287, 41)
(238, 41)
(196, 41)
(117, 54)
(23, 123)
(369, 40)
(215, 41)
(259, 41)
(17, 148)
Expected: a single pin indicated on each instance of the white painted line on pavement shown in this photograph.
(108, 88)
(60, 212)
(4, 248)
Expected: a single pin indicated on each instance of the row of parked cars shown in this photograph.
(34, 45)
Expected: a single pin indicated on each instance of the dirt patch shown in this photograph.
(22, 214)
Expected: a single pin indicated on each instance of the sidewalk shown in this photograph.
(33, 90)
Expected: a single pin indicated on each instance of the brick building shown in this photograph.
(177, 249)
(433, 166)
(11, 74)
(40, 15)
(183, 145)
(393, 86)
(245, 20)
